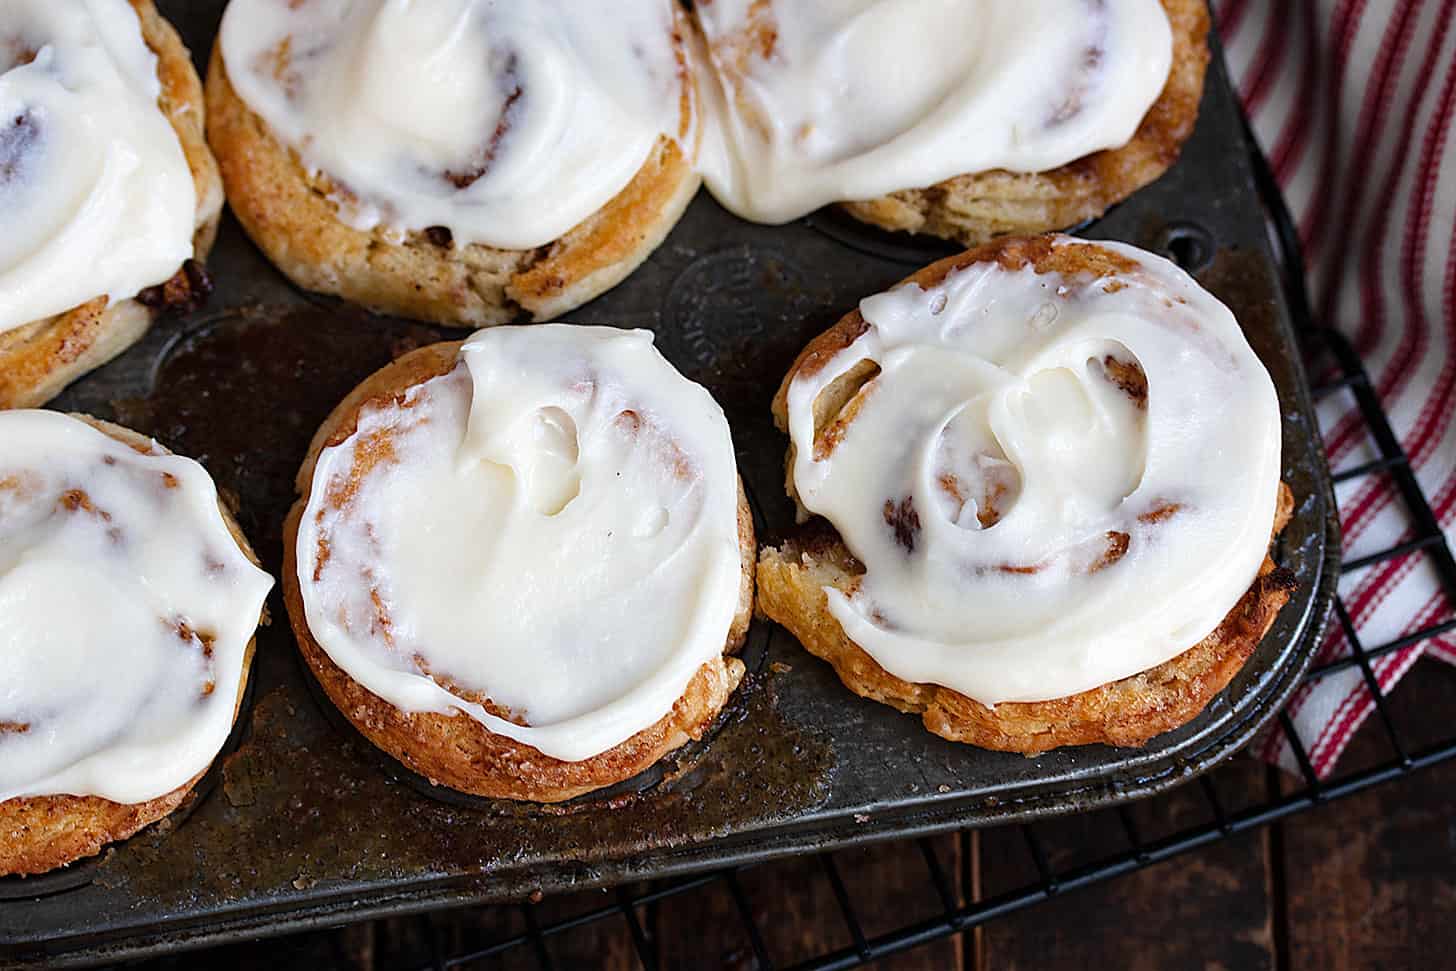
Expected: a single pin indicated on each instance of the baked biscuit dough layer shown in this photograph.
(40, 833)
(973, 208)
(792, 578)
(456, 750)
(42, 357)
(425, 274)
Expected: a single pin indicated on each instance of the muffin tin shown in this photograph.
(306, 825)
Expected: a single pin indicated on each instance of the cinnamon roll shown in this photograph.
(958, 118)
(520, 565)
(1047, 472)
(128, 604)
(109, 191)
(462, 162)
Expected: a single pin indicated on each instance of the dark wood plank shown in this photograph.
(795, 910)
(606, 943)
(702, 928)
(1370, 878)
(349, 949)
(793, 905)
(1210, 909)
(468, 930)
(891, 888)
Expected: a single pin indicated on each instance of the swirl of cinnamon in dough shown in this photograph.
(126, 612)
(97, 195)
(819, 101)
(1052, 481)
(507, 123)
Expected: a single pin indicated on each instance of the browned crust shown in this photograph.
(972, 208)
(792, 578)
(289, 214)
(182, 102)
(455, 750)
(791, 582)
(40, 358)
(40, 833)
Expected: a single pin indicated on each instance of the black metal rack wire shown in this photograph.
(1329, 355)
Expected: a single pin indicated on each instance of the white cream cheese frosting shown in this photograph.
(126, 608)
(507, 122)
(97, 195)
(1033, 521)
(551, 547)
(819, 101)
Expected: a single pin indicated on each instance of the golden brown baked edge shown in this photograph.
(975, 207)
(41, 358)
(455, 750)
(426, 275)
(791, 583)
(41, 833)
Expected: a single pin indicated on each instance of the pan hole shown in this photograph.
(1187, 244)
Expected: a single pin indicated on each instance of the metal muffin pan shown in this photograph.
(308, 826)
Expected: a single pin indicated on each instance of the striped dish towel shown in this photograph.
(1353, 102)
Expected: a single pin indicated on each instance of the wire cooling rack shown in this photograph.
(1127, 844)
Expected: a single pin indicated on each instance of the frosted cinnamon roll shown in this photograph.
(959, 118)
(109, 191)
(464, 162)
(128, 604)
(520, 565)
(1048, 472)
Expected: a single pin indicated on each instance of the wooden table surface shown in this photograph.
(1367, 882)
